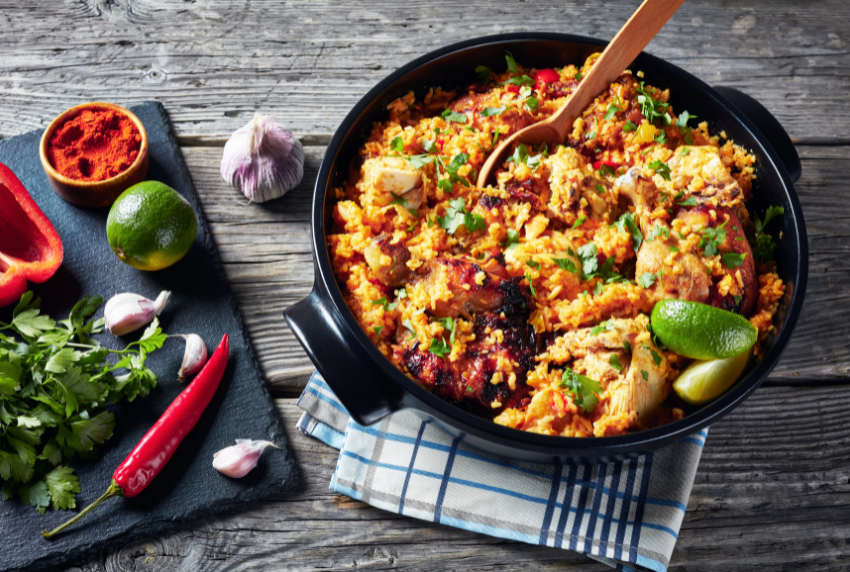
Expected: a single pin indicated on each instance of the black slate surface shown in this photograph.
(188, 488)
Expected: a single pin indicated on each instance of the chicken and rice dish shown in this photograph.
(527, 302)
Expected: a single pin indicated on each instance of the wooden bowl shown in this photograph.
(94, 193)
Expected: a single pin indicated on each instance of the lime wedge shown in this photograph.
(700, 331)
(703, 381)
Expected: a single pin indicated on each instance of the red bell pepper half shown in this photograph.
(30, 248)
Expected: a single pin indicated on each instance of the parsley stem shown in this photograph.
(113, 491)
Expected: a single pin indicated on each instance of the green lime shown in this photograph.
(150, 226)
(701, 331)
(703, 381)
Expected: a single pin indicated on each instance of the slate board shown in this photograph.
(188, 488)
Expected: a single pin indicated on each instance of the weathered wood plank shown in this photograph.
(266, 251)
(769, 494)
(213, 63)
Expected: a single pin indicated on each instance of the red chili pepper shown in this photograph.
(544, 77)
(513, 88)
(159, 443)
(30, 248)
(598, 165)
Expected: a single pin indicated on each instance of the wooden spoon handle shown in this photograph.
(632, 38)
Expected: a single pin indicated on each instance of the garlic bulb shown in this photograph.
(263, 160)
(127, 312)
(194, 356)
(238, 460)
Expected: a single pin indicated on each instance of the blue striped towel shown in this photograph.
(626, 514)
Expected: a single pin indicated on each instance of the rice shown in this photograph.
(526, 302)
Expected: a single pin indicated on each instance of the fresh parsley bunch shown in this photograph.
(55, 383)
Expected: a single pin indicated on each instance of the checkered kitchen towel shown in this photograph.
(626, 514)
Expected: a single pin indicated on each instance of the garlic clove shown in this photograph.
(238, 460)
(263, 160)
(194, 356)
(127, 312)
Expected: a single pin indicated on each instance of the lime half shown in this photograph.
(700, 331)
(704, 381)
(151, 226)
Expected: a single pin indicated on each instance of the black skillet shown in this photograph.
(371, 387)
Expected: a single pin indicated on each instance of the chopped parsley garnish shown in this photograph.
(456, 215)
(661, 169)
(521, 155)
(599, 189)
(682, 121)
(712, 238)
(512, 240)
(627, 346)
(483, 73)
(685, 151)
(580, 221)
(647, 279)
(661, 138)
(469, 389)
(597, 290)
(519, 81)
(590, 136)
(657, 231)
(397, 145)
(454, 116)
(652, 109)
(629, 126)
(491, 111)
(626, 223)
(587, 255)
(655, 355)
(511, 62)
(614, 361)
(378, 330)
(765, 245)
(532, 103)
(533, 264)
(606, 325)
(409, 326)
(578, 76)
(688, 202)
(582, 388)
(566, 264)
(383, 302)
(732, 260)
(419, 161)
(439, 347)
(530, 280)
(674, 249)
(450, 325)
(607, 170)
(644, 375)
(611, 112)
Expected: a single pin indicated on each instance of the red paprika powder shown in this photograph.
(95, 145)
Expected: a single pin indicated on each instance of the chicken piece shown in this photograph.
(490, 374)
(737, 289)
(642, 193)
(388, 261)
(683, 275)
(388, 179)
(471, 288)
(569, 184)
(702, 174)
(644, 386)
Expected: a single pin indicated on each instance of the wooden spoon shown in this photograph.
(632, 38)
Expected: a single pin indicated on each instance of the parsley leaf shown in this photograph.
(589, 261)
(579, 221)
(419, 161)
(454, 116)
(397, 145)
(519, 81)
(647, 279)
(439, 347)
(732, 260)
(611, 112)
(688, 202)
(583, 389)
(614, 361)
(456, 215)
(629, 126)
(530, 281)
(566, 264)
(626, 223)
(652, 109)
(483, 73)
(491, 111)
(378, 330)
(532, 103)
(765, 244)
(511, 62)
(682, 121)
(661, 169)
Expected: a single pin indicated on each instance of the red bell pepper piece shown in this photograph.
(155, 449)
(598, 164)
(30, 248)
(545, 77)
(513, 88)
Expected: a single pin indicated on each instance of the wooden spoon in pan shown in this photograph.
(632, 38)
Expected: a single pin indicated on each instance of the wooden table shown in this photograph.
(774, 483)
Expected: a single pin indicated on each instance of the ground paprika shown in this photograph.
(95, 145)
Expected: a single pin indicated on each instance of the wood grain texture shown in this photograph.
(769, 494)
(214, 62)
(774, 482)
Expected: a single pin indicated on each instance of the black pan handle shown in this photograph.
(346, 369)
(766, 123)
